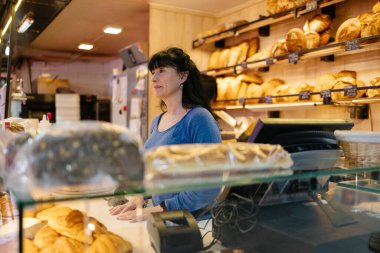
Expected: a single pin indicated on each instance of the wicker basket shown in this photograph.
(361, 154)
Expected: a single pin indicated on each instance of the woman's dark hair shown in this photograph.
(193, 93)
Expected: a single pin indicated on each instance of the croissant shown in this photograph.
(53, 212)
(64, 245)
(73, 226)
(29, 246)
(109, 243)
(45, 237)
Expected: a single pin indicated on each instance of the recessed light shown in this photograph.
(112, 29)
(86, 46)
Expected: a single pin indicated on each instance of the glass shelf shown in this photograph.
(367, 185)
(223, 179)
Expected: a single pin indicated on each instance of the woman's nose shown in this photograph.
(154, 77)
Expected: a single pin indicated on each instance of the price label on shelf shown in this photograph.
(350, 91)
(352, 44)
(267, 99)
(311, 5)
(325, 93)
(269, 61)
(244, 65)
(304, 95)
(293, 57)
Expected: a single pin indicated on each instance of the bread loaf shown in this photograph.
(348, 30)
(213, 61)
(250, 78)
(312, 40)
(222, 85)
(286, 89)
(224, 58)
(374, 92)
(64, 245)
(254, 44)
(376, 7)
(370, 24)
(259, 56)
(242, 90)
(340, 83)
(319, 23)
(348, 73)
(254, 91)
(295, 40)
(244, 46)
(326, 81)
(279, 48)
(233, 87)
(269, 88)
(325, 37)
(234, 55)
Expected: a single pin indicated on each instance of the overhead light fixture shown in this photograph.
(7, 51)
(112, 29)
(6, 26)
(86, 46)
(25, 23)
(18, 5)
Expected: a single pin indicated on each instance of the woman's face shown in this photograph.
(166, 82)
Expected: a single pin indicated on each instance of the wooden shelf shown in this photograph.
(366, 44)
(262, 22)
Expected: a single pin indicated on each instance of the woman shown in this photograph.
(186, 118)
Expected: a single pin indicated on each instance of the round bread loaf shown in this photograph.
(253, 91)
(370, 24)
(319, 23)
(348, 30)
(312, 40)
(295, 40)
(279, 48)
(250, 78)
(374, 92)
(326, 81)
(325, 37)
(340, 83)
(286, 89)
(349, 73)
(376, 7)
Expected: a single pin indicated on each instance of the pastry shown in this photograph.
(109, 243)
(55, 211)
(29, 246)
(206, 159)
(374, 92)
(319, 23)
(376, 7)
(370, 24)
(213, 62)
(348, 30)
(45, 237)
(279, 48)
(312, 40)
(325, 37)
(254, 44)
(65, 245)
(250, 78)
(295, 40)
(73, 225)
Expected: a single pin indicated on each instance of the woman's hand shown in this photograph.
(133, 215)
(130, 205)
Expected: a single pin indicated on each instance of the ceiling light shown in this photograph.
(18, 5)
(7, 51)
(86, 46)
(25, 23)
(6, 26)
(112, 29)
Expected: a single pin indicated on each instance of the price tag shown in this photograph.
(352, 44)
(293, 57)
(325, 93)
(269, 61)
(311, 5)
(351, 91)
(242, 101)
(267, 99)
(304, 95)
(244, 65)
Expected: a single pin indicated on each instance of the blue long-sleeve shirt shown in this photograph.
(197, 126)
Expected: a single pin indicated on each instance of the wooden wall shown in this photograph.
(170, 26)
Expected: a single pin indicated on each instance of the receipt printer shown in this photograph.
(174, 231)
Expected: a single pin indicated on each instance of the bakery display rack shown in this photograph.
(264, 21)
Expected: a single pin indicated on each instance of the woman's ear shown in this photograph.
(184, 76)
